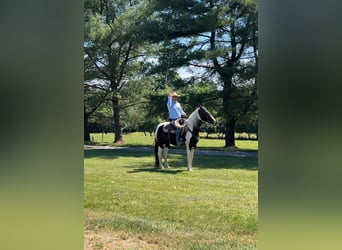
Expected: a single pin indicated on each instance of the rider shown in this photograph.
(175, 112)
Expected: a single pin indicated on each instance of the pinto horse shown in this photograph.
(164, 136)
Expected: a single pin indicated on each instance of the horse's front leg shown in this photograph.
(165, 151)
(190, 156)
(160, 154)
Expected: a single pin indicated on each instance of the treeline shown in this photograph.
(136, 52)
(250, 127)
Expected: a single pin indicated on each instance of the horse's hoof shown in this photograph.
(190, 169)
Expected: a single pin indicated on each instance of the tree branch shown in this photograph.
(103, 99)
(200, 66)
(132, 104)
(98, 68)
(123, 65)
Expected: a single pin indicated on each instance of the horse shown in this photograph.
(165, 135)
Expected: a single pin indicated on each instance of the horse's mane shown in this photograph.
(193, 117)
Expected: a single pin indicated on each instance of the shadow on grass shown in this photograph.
(177, 162)
(156, 170)
(225, 162)
(225, 149)
(114, 153)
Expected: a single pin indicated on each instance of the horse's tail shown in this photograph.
(156, 153)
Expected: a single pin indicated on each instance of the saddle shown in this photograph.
(170, 127)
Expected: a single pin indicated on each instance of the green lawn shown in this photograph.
(139, 139)
(213, 207)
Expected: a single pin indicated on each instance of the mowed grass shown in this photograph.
(213, 207)
(139, 139)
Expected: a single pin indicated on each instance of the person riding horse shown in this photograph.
(164, 138)
(175, 112)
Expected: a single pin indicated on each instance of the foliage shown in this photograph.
(113, 51)
(137, 49)
(219, 38)
(95, 109)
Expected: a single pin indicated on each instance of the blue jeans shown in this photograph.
(178, 134)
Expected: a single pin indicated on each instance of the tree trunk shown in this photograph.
(230, 129)
(116, 116)
(227, 73)
(86, 127)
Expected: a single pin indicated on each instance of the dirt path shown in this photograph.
(107, 240)
(180, 151)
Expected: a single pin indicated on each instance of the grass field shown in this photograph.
(139, 139)
(131, 205)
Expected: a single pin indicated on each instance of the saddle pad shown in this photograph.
(169, 128)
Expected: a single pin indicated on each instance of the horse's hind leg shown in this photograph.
(165, 151)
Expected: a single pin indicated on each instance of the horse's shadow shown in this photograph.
(156, 170)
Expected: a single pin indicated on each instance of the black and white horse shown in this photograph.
(190, 133)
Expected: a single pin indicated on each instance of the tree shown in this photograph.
(220, 38)
(94, 98)
(113, 48)
(237, 66)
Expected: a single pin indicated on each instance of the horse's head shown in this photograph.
(205, 115)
